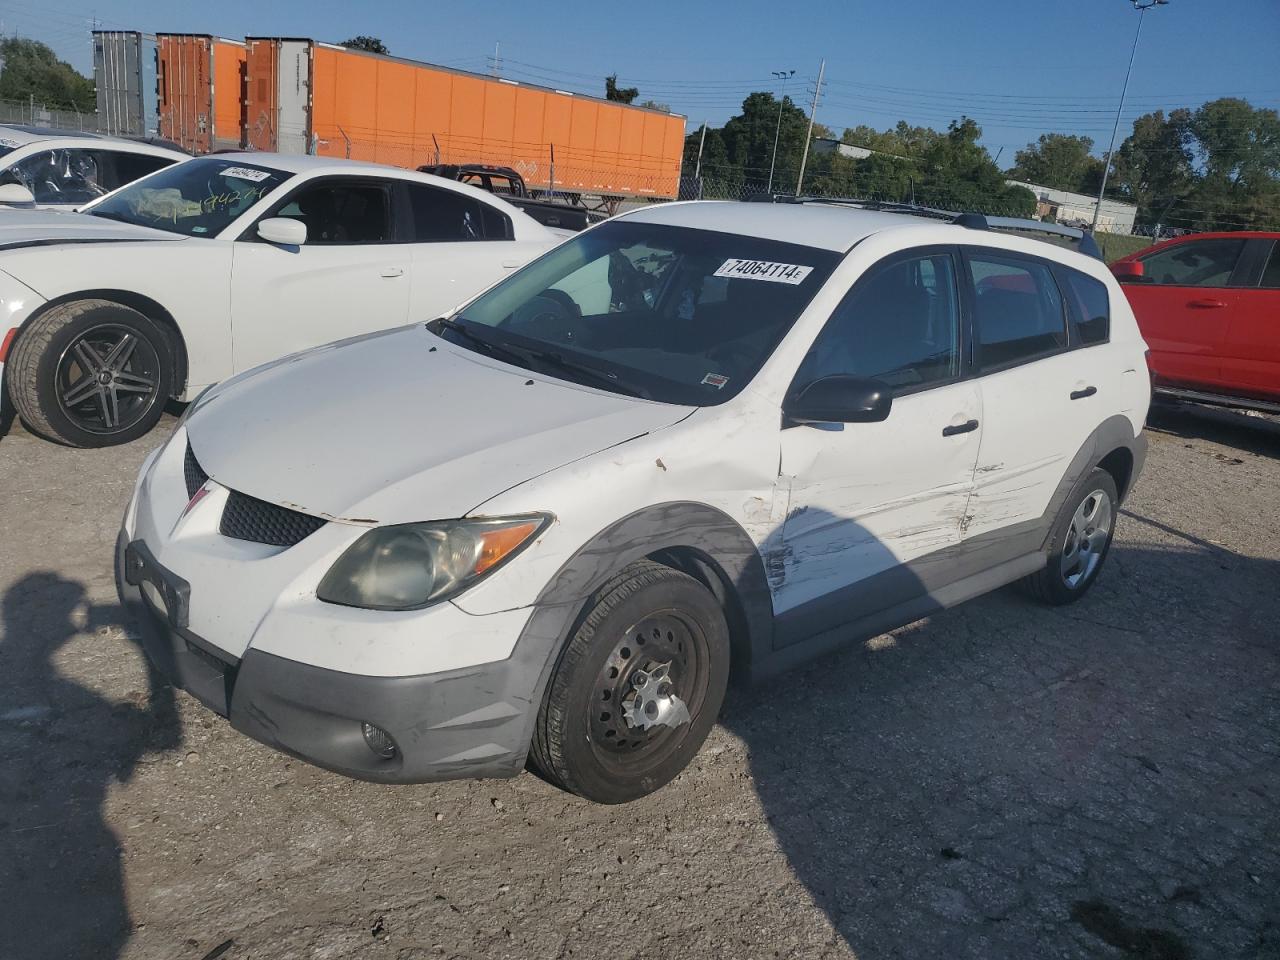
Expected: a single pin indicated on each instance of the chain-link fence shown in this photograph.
(31, 113)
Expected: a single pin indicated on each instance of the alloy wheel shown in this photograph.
(107, 378)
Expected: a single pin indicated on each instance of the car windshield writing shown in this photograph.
(198, 198)
(672, 313)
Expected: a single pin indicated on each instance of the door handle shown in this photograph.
(1081, 394)
(1207, 304)
(510, 264)
(967, 427)
(392, 271)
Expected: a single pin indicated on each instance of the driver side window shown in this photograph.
(900, 324)
(341, 213)
(1197, 263)
(66, 175)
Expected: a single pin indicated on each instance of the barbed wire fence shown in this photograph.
(64, 117)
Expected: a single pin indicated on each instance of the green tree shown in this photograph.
(1154, 167)
(902, 140)
(1061, 161)
(32, 71)
(367, 44)
(749, 139)
(621, 94)
(1238, 148)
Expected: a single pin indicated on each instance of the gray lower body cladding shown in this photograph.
(474, 722)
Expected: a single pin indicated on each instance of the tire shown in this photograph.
(1074, 563)
(589, 737)
(60, 394)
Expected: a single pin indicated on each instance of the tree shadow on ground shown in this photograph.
(62, 747)
(1011, 780)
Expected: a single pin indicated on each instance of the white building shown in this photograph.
(1067, 207)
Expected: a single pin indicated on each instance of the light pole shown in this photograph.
(1142, 6)
(782, 75)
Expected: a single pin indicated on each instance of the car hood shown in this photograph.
(402, 426)
(29, 228)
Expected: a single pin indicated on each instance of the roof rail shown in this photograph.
(1085, 242)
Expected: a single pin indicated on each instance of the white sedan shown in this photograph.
(64, 169)
(221, 263)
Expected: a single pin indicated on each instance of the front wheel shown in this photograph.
(91, 373)
(1079, 542)
(637, 688)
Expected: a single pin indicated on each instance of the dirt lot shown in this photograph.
(1001, 780)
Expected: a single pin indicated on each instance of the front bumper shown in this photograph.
(470, 722)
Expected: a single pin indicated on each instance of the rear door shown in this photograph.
(350, 277)
(869, 497)
(1184, 304)
(1040, 399)
(1251, 355)
(460, 245)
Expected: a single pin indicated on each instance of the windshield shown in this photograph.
(197, 198)
(670, 313)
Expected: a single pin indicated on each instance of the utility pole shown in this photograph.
(782, 75)
(804, 157)
(1142, 6)
(697, 169)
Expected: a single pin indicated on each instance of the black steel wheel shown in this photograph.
(638, 687)
(91, 373)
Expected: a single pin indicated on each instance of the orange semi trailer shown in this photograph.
(200, 91)
(305, 96)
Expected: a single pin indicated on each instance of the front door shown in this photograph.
(1184, 305)
(866, 498)
(348, 278)
(1251, 355)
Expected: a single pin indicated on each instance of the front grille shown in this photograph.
(195, 475)
(247, 518)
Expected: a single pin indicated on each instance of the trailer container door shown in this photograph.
(293, 96)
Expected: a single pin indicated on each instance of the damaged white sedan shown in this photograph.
(694, 439)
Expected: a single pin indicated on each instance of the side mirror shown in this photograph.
(283, 230)
(1129, 271)
(16, 195)
(840, 399)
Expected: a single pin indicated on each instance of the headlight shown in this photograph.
(411, 565)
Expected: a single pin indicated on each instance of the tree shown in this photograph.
(749, 139)
(32, 71)
(1154, 166)
(1060, 161)
(619, 94)
(367, 44)
(655, 105)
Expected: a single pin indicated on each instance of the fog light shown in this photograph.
(379, 741)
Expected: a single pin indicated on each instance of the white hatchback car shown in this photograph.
(65, 169)
(698, 437)
(221, 263)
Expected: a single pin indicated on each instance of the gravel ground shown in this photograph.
(1001, 780)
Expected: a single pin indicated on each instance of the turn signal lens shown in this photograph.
(411, 565)
(497, 544)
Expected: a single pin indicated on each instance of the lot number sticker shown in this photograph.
(246, 173)
(763, 270)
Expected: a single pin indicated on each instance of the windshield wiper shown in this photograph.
(484, 343)
(552, 358)
(120, 217)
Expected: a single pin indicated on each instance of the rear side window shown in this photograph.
(1017, 311)
(1271, 275)
(445, 216)
(1197, 263)
(1089, 308)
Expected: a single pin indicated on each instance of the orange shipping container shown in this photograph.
(199, 91)
(304, 96)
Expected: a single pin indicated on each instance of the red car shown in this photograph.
(1208, 305)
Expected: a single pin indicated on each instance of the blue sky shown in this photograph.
(1019, 68)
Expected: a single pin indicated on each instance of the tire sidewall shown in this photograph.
(1095, 479)
(590, 778)
(64, 428)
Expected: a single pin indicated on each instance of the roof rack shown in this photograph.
(1085, 242)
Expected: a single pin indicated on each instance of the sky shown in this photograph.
(1019, 68)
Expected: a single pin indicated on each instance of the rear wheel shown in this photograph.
(91, 373)
(1081, 540)
(637, 688)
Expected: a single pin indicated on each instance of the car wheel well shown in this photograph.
(706, 571)
(1119, 463)
(149, 309)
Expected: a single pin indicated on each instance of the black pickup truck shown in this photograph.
(508, 184)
